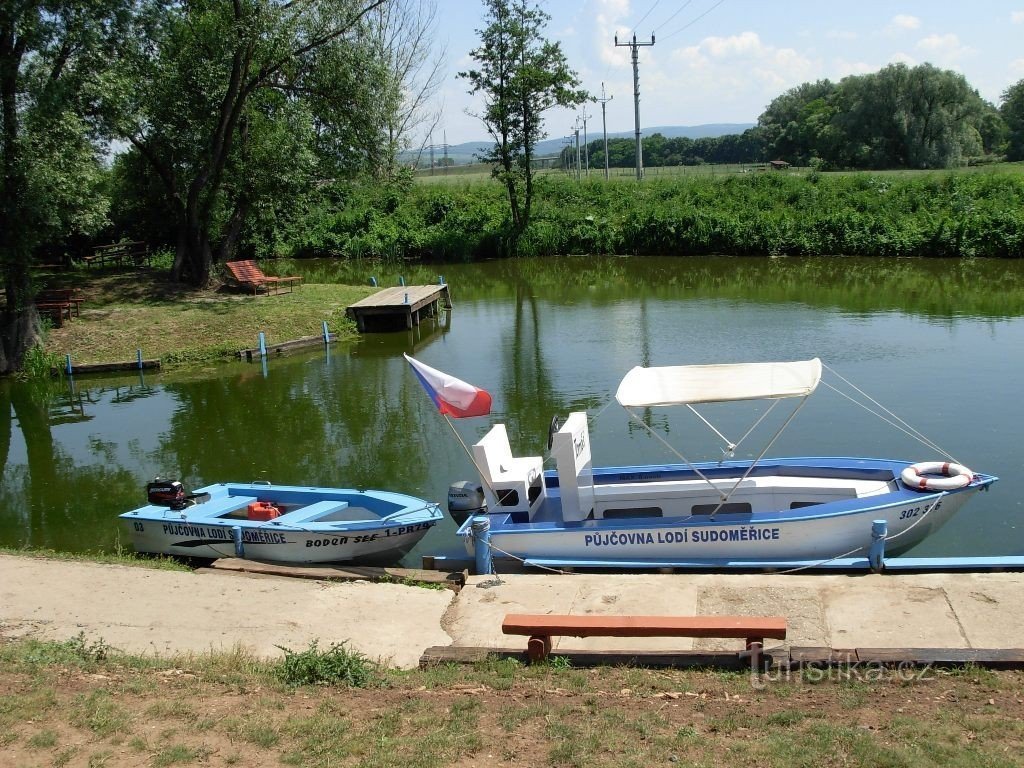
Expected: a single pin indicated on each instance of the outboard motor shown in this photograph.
(465, 499)
(171, 493)
(165, 493)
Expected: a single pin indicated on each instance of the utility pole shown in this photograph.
(604, 129)
(431, 154)
(576, 132)
(567, 153)
(634, 45)
(586, 146)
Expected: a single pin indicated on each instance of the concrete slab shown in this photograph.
(474, 618)
(798, 601)
(651, 595)
(145, 611)
(881, 611)
(990, 610)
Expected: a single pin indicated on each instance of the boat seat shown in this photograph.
(219, 506)
(316, 511)
(511, 484)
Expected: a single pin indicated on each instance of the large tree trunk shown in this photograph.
(20, 328)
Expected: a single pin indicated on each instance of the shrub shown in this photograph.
(338, 665)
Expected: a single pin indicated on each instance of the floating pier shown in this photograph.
(391, 306)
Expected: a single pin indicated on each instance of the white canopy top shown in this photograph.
(682, 384)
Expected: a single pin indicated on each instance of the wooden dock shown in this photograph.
(402, 302)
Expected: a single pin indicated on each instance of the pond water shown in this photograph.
(940, 343)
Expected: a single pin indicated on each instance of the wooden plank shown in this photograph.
(995, 658)
(450, 654)
(127, 365)
(591, 625)
(822, 656)
(395, 296)
(339, 572)
(286, 347)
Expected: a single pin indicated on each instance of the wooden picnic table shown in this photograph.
(134, 254)
(58, 304)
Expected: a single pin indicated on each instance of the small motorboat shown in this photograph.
(759, 513)
(279, 523)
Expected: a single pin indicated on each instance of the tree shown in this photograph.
(216, 84)
(51, 55)
(784, 121)
(1012, 111)
(521, 75)
(404, 29)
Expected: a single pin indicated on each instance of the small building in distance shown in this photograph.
(778, 165)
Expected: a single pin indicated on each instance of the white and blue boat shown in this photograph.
(756, 513)
(279, 523)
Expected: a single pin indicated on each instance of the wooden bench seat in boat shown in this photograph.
(220, 507)
(319, 511)
(542, 627)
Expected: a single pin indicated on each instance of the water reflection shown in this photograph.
(545, 337)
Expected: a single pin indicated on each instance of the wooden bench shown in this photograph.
(542, 627)
(134, 254)
(246, 274)
(56, 311)
(69, 296)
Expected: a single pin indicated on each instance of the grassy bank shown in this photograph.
(958, 214)
(121, 557)
(81, 703)
(125, 312)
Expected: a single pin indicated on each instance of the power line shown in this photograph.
(651, 10)
(690, 24)
(681, 9)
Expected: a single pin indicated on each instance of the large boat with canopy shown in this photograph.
(752, 513)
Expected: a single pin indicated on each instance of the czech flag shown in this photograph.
(452, 396)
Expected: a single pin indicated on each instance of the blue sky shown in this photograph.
(727, 65)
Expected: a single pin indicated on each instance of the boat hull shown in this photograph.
(812, 534)
(202, 531)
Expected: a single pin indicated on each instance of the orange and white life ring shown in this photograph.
(921, 476)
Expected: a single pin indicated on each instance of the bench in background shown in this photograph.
(131, 254)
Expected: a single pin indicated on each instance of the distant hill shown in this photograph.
(467, 152)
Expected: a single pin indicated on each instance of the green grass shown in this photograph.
(234, 708)
(963, 213)
(121, 557)
(123, 314)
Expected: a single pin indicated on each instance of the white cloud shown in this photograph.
(840, 68)
(903, 58)
(1017, 17)
(608, 21)
(902, 23)
(729, 72)
(945, 49)
(1017, 67)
